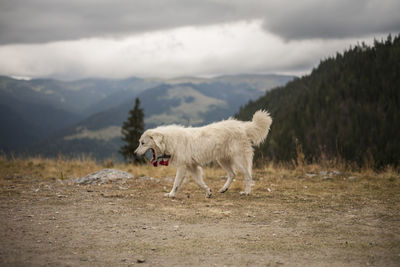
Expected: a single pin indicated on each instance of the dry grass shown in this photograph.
(314, 180)
(63, 168)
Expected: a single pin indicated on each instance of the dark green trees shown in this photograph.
(348, 108)
(132, 129)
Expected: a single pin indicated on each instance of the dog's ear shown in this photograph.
(158, 140)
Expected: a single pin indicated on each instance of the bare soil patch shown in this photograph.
(293, 218)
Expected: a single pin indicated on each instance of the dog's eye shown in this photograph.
(142, 143)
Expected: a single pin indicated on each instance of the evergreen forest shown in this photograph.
(348, 108)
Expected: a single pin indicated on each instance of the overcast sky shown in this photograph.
(168, 38)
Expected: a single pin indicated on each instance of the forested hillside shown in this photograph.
(348, 108)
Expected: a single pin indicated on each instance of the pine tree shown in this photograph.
(131, 131)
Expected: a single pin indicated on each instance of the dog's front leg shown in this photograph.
(180, 174)
(197, 173)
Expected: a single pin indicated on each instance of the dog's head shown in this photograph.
(151, 141)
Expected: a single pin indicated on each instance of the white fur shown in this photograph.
(227, 142)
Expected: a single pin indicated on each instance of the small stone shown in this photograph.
(278, 212)
(148, 178)
(140, 260)
(104, 176)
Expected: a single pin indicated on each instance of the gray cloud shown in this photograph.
(191, 51)
(121, 38)
(48, 20)
(334, 19)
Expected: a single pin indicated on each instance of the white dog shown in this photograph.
(227, 142)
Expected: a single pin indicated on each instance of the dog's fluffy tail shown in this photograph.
(257, 130)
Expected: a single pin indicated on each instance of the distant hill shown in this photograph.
(16, 132)
(194, 104)
(261, 82)
(82, 97)
(119, 91)
(35, 109)
(188, 103)
(348, 107)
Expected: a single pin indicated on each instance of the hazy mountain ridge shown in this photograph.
(79, 97)
(186, 103)
(257, 81)
(35, 121)
(41, 107)
(16, 132)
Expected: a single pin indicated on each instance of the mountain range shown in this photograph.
(32, 110)
(49, 117)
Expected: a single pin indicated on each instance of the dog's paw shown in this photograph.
(223, 190)
(169, 195)
(244, 193)
(208, 193)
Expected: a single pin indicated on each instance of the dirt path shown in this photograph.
(302, 221)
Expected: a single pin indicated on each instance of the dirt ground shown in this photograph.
(291, 219)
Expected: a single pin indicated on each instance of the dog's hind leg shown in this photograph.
(245, 166)
(231, 174)
(197, 173)
(180, 174)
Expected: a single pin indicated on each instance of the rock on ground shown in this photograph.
(104, 176)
